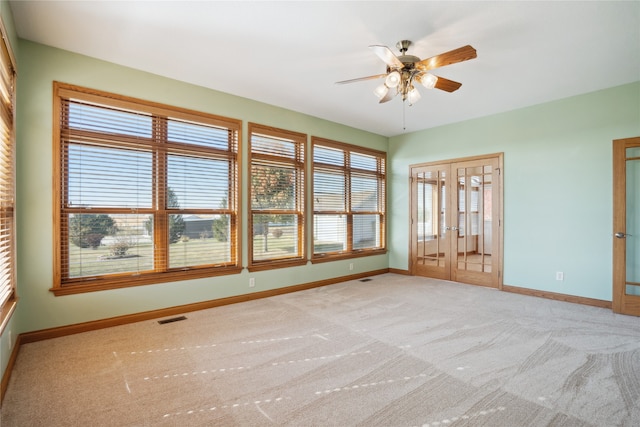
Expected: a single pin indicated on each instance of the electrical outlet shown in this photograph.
(559, 275)
(350, 266)
(252, 282)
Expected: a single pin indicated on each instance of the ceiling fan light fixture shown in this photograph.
(381, 91)
(429, 81)
(413, 96)
(393, 79)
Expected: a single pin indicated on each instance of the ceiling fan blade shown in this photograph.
(447, 85)
(360, 79)
(389, 96)
(387, 56)
(463, 53)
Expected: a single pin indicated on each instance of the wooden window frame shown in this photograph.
(347, 170)
(299, 164)
(161, 149)
(8, 255)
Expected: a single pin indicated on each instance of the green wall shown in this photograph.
(557, 185)
(39, 309)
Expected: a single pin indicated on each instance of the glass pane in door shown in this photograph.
(487, 219)
(474, 218)
(472, 191)
(632, 239)
(431, 218)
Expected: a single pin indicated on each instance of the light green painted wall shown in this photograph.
(39, 309)
(558, 185)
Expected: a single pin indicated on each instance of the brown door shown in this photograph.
(430, 229)
(456, 220)
(626, 226)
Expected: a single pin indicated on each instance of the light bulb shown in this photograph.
(393, 79)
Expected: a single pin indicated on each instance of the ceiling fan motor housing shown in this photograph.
(408, 60)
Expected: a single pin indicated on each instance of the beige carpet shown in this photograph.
(393, 351)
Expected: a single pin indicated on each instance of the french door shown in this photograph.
(626, 226)
(456, 220)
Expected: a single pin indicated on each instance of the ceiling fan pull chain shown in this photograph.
(404, 117)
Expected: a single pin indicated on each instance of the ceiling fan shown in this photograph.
(405, 70)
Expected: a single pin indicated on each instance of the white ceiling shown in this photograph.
(290, 54)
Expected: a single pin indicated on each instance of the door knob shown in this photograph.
(621, 235)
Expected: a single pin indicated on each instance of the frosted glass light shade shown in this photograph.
(392, 79)
(381, 91)
(413, 96)
(429, 81)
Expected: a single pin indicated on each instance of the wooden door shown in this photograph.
(626, 226)
(430, 243)
(475, 228)
(456, 220)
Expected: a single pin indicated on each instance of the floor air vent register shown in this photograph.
(171, 320)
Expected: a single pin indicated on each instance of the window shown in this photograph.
(276, 197)
(348, 200)
(147, 192)
(7, 182)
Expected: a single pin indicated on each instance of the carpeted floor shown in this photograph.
(393, 351)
